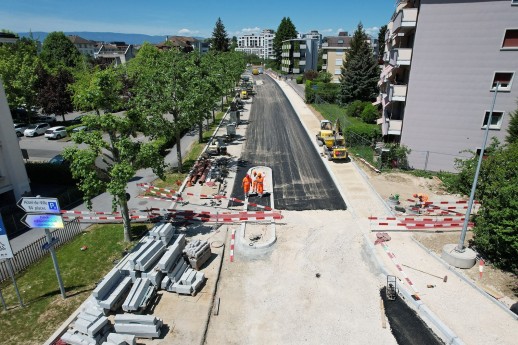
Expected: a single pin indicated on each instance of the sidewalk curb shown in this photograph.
(466, 280)
(444, 332)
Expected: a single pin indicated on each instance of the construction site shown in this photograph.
(309, 252)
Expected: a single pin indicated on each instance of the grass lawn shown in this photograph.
(190, 158)
(332, 112)
(45, 310)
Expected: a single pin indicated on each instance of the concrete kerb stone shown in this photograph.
(326, 164)
(443, 331)
(241, 238)
(466, 280)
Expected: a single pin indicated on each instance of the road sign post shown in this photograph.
(40, 218)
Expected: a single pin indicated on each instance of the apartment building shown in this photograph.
(115, 52)
(14, 182)
(84, 46)
(313, 34)
(333, 54)
(260, 45)
(442, 61)
(299, 55)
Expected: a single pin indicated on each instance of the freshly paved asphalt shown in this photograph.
(276, 138)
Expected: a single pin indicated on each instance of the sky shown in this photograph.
(192, 18)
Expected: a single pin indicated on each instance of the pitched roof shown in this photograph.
(181, 41)
(79, 40)
(339, 41)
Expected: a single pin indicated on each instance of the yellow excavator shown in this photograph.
(331, 138)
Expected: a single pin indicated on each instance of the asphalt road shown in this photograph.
(276, 138)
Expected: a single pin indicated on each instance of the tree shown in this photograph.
(496, 229)
(58, 51)
(285, 31)
(360, 71)
(381, 41)
(96, 90)
(54, 95)
(122, 155)
(18, 64)
(219, 37)
(233, 44)
(512, 130)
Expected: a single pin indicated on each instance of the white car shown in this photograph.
(36, 129)
(19, 128)
(56, 132)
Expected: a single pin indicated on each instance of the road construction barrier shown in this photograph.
(232, 243)
(173, 195)
(417, 223)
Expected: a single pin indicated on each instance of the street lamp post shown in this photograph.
(458, 255)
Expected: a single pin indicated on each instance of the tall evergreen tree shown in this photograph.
(512, 130)
(58, 51)
(381, 41)
(219, 37)
(285, 31)
(360, 71)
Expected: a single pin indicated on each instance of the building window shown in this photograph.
(340, 42)
(338, 71)
(339, 52)
(514, 2)
(496, 120)
(338, 62)
(505, 79)
(510, 38)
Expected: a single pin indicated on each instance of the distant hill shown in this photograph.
(103, 37)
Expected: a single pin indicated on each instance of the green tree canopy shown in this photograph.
(58, 51)
(53, 92)
(512, 130)
(285, 31)
(360, 71)
(18, 64)
(381, 41)
(219, 37)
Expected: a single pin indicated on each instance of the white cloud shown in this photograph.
(340, 30)
(187, 32)
(325, 31)
(372, 31)
(246, 31)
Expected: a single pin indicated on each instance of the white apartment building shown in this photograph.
(260, 45)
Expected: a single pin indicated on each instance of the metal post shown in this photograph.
(460, 246)
(11, 272)
(55, 261)
(426, 161)
(3, 301)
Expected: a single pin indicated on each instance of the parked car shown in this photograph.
(19, 128)
(47, 118)
(56, 132)
(78, 119)
(36, 129)
(80, 129)
(58, 160)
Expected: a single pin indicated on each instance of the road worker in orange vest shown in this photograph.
(247, 182)
(254, 182)
(423, 199)
(260, 184)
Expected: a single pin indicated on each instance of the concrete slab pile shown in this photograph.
(90, 327)
(112, 290)
(198, 252)
(140, 294)
(120, 339)
(162, 232)
(141, 326)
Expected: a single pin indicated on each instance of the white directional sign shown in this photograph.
(39, 205)
(46, 221)
(5, 247)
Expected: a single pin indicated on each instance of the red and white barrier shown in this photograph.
(106, 218)
(418, 223)
(392, 257)
(232, 243)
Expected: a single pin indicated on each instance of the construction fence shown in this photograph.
(34, 251)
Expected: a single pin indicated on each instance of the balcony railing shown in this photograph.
(324, 56)
(302, 46)
(405, 19)
(394, 127)
(397, 93)
(296, 54)
(296, 70)
(400, 56)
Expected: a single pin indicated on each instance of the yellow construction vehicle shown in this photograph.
(331, 139)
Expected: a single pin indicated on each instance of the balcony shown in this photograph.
(394, 127)
(302, 62)
(386, 56)
(302, 46)
(296, 70)
(296, 55)
(285, 69)
(405, 20)
(397, 93)
(400, 56)
(324, 56)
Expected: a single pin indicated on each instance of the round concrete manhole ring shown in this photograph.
(216, 244)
